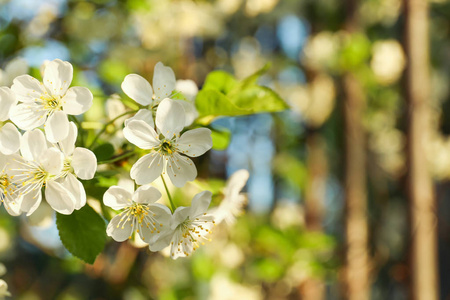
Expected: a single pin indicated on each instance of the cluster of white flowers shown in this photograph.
(39, 158)
(43, 153)
(157, 128)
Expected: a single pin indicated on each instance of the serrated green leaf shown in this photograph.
(251, 80)
(214, 103)
(259, 99)
(104, 152)
(83, 233)
(220, 81)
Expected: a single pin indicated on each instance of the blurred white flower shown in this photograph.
(287, 214)
(388, 61)
(139, 213)
(14, 68)
(190, 90)
(222, 288)
(233, 203)
(190, 226)
(49, 102)
(165, 151)
(321, 50)
(4, 289)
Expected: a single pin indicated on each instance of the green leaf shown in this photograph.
(220, 81)
(251, 80)
(104, 152)
(223, 95)
(213, 103)
(83, 233)
(220, 138)
(259, 99)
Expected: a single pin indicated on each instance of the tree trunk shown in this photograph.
(314, 288)
(424, 281)
(357, 259)
(357, 268)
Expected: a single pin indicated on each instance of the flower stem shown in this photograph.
(117, 158)
(109, 123)
(172, 205)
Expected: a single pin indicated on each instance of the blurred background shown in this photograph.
(345, 187)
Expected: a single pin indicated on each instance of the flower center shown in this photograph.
(51, 103)
(167, 147)
(139, 211)
(5, 185)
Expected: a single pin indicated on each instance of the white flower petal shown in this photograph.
(200, 203)
(170, 118)
(180, 170)
(120, 230)
(33, 144)
(84, 163)
(9, 139)
(188, 87)
(191, 112)
(77, 100)
(146, 194)
(117, 197)
(67, 145)
(16, 67)
(138, 89)
(28, 116)
(52, 160)
(31, 201)
(59, 198)
(141, 134)
(143, 115)
(27, 88)
(57, 127)
(13, 208)
(163, 81)
(180, 215)
(7, 101)
(76, 188)
(195, 142)
(147, 168)
(58, 77)
(236, 182)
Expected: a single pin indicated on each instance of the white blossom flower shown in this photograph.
(164, 85)
(78, 163)
(139, 89)
(166, 147)
(40, 166)
(9, 135)
(190, 90)
(139, 213)
(190, 227)
(49, 102)
(233, 203)
(8, 188)
(4, 289)
(14, 68)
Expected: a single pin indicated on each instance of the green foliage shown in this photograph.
(220, 138)
(355, 52)
(104, 152)
(223, 95)
(83, 233)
